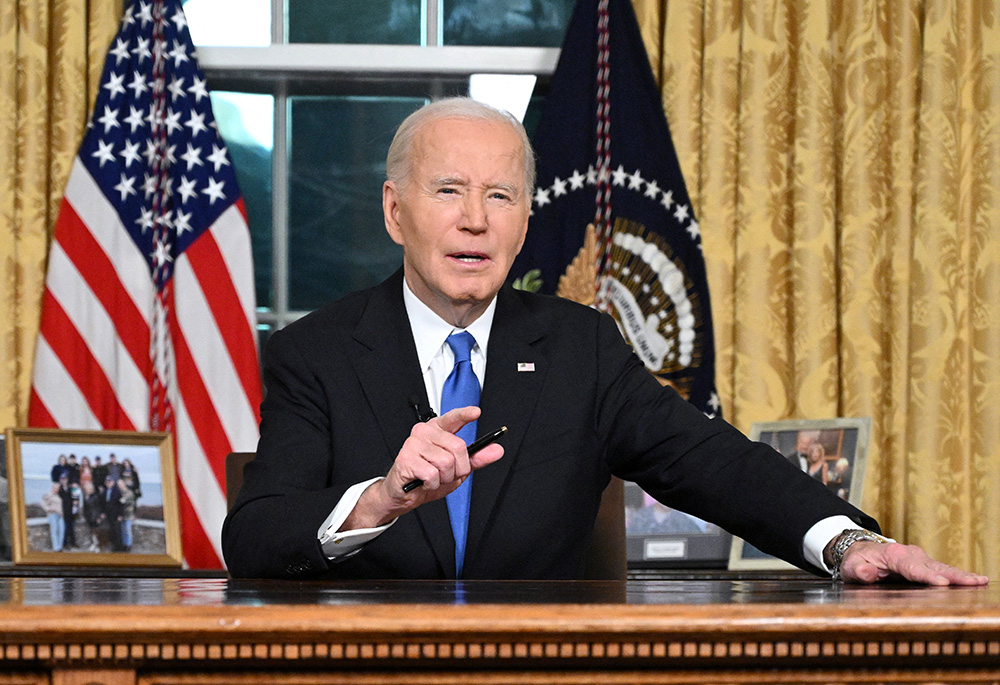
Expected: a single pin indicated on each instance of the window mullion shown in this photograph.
(278, 22)
(432, 23)
(280, 160)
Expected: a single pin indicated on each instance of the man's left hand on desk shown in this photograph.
(871, 562)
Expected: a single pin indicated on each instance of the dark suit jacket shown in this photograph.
(341, 385)
(112, 505)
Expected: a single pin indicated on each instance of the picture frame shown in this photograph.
(6, 548)
(839, 449)
(129, 519)
(659, 537)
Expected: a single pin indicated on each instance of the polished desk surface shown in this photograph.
(686, 602)
(690, 588)
(689, 621)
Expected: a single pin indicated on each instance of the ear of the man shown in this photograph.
(390, 211)
(524, 230)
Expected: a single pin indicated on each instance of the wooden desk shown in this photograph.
(177, 631)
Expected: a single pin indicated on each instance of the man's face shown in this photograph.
(461, 216)
(803, 442)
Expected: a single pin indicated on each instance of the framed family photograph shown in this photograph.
(92, 498)
(831, 451)
(657, 536)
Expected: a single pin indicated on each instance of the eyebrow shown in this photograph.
(450, 181)
(458, 181)
(505, 186)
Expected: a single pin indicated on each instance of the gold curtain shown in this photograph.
(843, 157)
(51, 56)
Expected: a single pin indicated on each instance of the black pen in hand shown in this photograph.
(479, 444)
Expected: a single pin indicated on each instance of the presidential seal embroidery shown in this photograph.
(652, 297)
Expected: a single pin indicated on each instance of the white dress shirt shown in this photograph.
(436, 361)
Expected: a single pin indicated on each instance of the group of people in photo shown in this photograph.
(101, 494)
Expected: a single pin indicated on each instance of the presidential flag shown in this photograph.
(148, 317)
(612, 225)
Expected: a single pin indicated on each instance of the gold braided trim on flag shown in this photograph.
(579, 283)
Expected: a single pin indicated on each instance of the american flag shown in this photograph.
(148, 317)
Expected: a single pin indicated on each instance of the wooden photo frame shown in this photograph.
(657, 536)
(129, 519)
(838, 450)
(6, 546)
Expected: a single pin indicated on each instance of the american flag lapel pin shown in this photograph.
(525, 367)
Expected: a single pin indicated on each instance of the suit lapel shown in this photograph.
(389, 372)
(515, 371)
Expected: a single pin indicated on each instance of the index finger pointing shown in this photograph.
(453, 420)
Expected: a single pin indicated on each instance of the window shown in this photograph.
(308, 93)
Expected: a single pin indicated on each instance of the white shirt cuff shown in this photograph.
(820, 535)
(338, 546)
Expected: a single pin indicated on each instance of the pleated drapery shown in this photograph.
(51, 56)
(843, 157)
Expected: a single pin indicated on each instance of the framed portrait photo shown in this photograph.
(657, 536)
(830, 450)
(92, 498)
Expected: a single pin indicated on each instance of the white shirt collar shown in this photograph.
(430, 330)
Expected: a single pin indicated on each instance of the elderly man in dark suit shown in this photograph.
(803, 441)
(347, 422)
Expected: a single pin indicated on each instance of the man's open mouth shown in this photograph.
(468, 258)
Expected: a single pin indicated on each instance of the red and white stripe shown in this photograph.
(93, 368)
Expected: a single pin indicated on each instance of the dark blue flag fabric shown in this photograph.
(612, 225)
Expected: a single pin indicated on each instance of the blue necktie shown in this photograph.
(461, 389)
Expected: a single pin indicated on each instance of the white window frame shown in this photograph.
(275, 64)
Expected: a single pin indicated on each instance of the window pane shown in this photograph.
(533, 114)
(339, 21)
(522, 23)
(246, 122)
(337, 239)
(229, 22)
(264, 332)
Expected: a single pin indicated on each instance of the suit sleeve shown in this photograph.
(271, 529)
(704, 466)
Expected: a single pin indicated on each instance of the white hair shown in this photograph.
(399, 161)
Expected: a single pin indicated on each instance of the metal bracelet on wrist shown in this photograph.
(844, 542)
